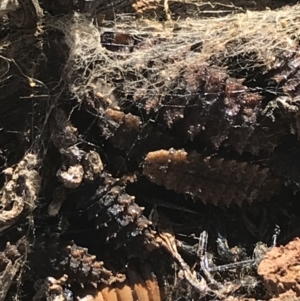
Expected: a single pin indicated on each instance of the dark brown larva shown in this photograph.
(213, 180)
(113, 210)
(101, 284)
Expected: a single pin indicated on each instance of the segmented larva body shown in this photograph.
(136, 282)
(113, 210)
(213, 180)
(136, 287)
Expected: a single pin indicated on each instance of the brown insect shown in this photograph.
(142, 287)
(97, 283)
(213, 180)
(138, 285)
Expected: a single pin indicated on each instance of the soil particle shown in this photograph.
(281, 271)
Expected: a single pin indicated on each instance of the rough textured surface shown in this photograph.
(113, 210)
(136, 282)
(12, 259)
(281, 271)
(20, 190)
(129, 112)
(213, 180)
(84, 268)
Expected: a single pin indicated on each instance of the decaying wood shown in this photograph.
(20, 190)
(11, 262)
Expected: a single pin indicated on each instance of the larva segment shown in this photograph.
(109, 294)
(87, 279)
(151, 283)
(138, 285)
(213, 180)
(99, 297)
(113, 210)
(124, 291)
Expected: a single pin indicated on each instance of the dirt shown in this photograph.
(149, 151)
(280, 271)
